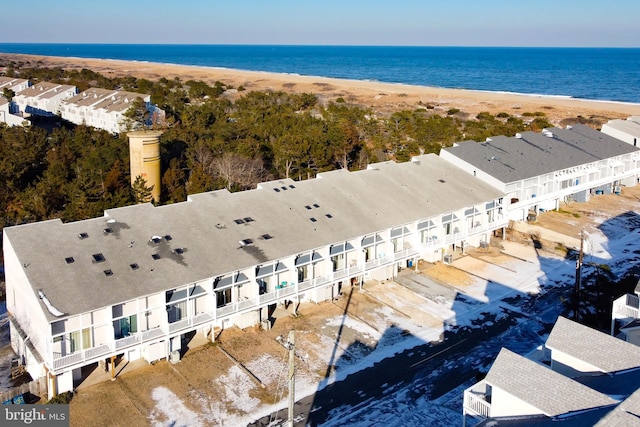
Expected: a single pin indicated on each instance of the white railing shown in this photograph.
(475, 401)
(190, 322)
(91, 354)
(627, 306)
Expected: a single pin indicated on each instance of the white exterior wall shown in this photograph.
(24, 306)
(619, 134)
(504, 404)
(472, 170)
(570, 366)
(7, 117)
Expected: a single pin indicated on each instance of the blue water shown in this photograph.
(589, 73)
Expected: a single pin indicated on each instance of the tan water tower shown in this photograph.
(144, 155)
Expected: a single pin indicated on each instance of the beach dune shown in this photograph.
(381, 97)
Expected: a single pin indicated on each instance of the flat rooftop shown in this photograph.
(200, 238)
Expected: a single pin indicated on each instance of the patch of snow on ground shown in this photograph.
(170, 410)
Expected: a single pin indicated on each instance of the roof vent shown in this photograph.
(155, 239)
(220, 226)
(107, 230)
(547, 133)
(108, 273)
(168, 237)
(519, 135)
(178, 251)
(83, 235)
(266, 237)
(246, 242)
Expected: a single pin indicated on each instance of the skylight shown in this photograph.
(266, 237)
(178, 251)
(108, 273)
(155, 256)
(98, 258)
(312, 219)
(69, 260)
(134, 266)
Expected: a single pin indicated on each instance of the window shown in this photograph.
(303, 272)
(223, 297)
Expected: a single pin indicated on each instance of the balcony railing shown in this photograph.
(91, 354)
(476, 400)
(627, 306)
(60, 362)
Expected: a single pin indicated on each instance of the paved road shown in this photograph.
(430, 369)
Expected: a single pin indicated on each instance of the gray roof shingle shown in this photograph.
(548, 391)
(533, 154)
(604, 352)
(383, 196)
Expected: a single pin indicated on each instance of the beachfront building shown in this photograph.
(9, 113)
(43, 99)
(137, 280)
(540, 171)
(570, 379)
(105, 109)
(13, 84)
(625, 130)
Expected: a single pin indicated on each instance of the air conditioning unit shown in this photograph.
(484, 245)
(448, 259)
(174, 357)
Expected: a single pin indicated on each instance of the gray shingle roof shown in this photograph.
(534, 154)
(604, 352)
(548, 391)
(385, 195)
(627, 414)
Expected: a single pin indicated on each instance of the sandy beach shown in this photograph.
(381, 97)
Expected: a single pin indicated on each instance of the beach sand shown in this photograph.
(383, 98)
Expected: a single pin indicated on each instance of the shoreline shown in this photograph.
(381, 97)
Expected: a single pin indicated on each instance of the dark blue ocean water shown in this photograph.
(588, 73)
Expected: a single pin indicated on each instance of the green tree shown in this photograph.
(141, 193)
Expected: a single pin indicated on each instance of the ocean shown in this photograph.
(607, 74)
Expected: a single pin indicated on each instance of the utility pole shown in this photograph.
(290, 345)
(579, 277)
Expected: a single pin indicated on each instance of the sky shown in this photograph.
(557, 23)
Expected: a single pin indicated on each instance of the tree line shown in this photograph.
(212, 141)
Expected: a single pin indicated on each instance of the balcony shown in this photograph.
(190, 322)
(626, 307)
(93, 353)
(477, 400)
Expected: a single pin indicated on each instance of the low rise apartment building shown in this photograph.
(135, 281)
(540, 171)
